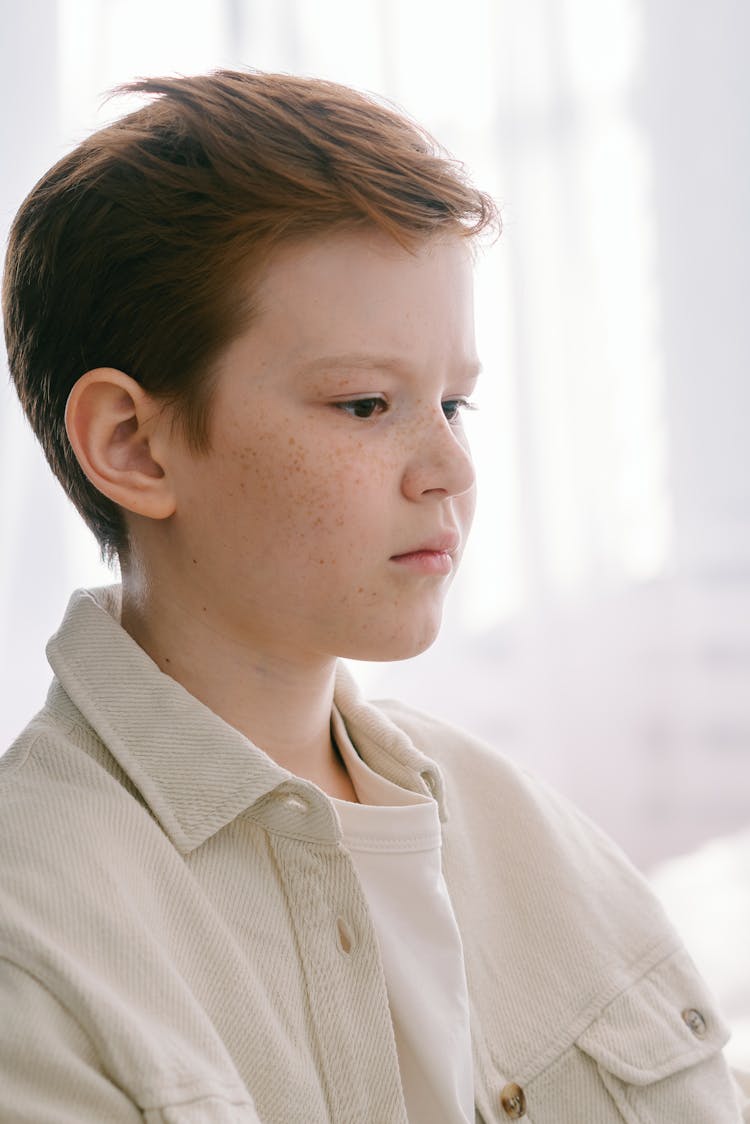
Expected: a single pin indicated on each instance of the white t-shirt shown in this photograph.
(394, 839)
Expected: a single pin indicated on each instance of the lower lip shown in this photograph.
(426, 561)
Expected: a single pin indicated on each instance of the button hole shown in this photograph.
(292, 800)
(343, 932)
(429, 781)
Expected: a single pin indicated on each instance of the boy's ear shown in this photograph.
(118, 433)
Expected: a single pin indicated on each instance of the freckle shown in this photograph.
(292, 441)
(203, 609)
(195, 561)
(167, 659)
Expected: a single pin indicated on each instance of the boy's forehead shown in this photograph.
(372, 360)
(348, 260)
(361, 299)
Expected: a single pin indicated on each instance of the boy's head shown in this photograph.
(139, 250)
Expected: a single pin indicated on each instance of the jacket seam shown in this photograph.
(10, 772)
(47, 989)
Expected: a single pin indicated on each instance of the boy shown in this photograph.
(240, 323)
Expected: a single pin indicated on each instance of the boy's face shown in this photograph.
(337, 453)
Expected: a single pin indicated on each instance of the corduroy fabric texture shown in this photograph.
(169, 900)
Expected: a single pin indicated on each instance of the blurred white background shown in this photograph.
(600, 629)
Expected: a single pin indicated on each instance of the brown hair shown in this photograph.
(135, 249)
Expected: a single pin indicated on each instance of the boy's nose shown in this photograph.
(440, 463)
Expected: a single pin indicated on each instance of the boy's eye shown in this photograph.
(374, 405)
(453, 408)
(363, 407)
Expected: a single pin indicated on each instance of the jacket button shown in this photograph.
(513, 1100)
(695, 1021)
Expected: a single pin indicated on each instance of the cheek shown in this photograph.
(309, 491)
(465, 506)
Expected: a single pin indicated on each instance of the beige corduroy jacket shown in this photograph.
(169, 900)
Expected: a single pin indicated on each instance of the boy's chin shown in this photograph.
(403, 646)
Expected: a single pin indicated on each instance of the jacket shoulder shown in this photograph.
(68, 818)
(59, 767)
(536, 886)
(485, 784)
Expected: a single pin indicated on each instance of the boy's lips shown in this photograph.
(434, 556)
(447, 542)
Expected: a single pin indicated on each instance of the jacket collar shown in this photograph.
(196, 772)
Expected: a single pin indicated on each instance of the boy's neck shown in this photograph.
(283, 708)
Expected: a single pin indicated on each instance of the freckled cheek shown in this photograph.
(323, 470)
(304, 497)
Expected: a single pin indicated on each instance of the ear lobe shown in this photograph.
(113, 425)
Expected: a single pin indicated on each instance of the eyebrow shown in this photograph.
(364, 361)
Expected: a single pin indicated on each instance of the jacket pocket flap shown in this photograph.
(665, 1022)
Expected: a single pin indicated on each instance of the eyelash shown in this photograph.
(350, 407)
